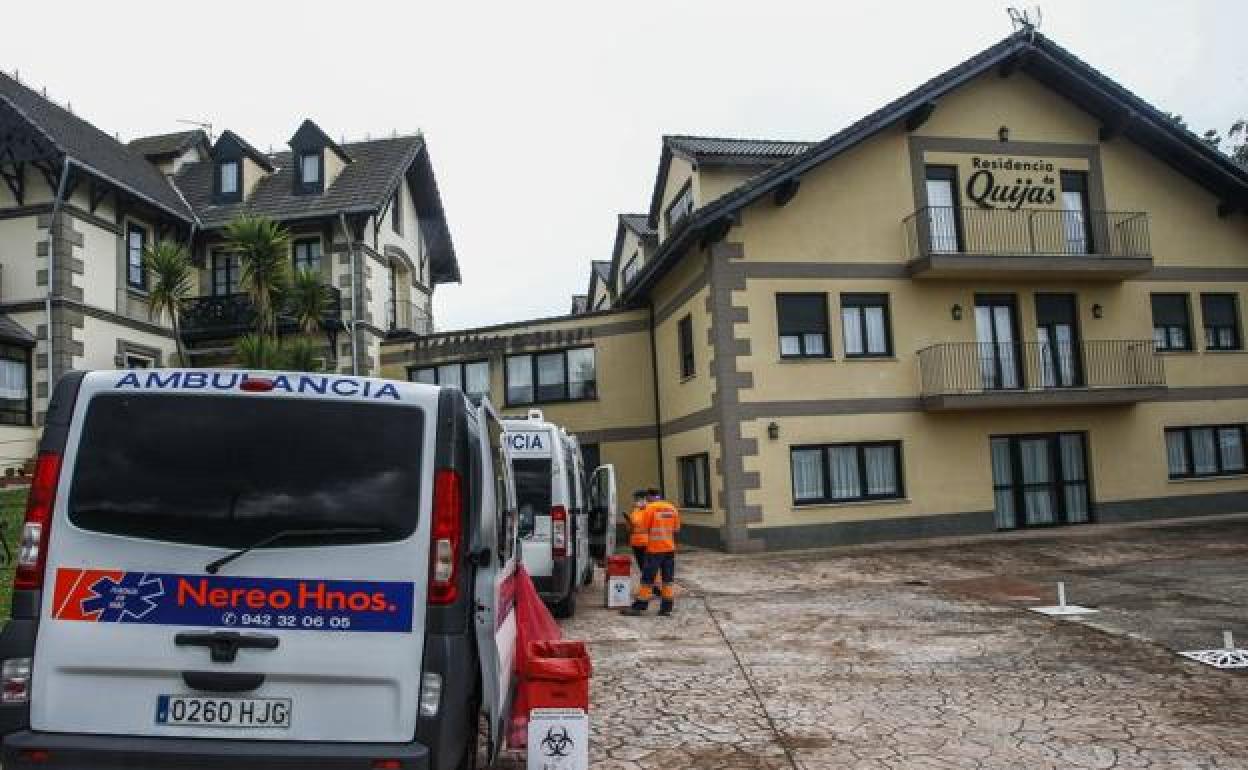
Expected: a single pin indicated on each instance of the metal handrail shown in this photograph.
(959, 368)
(228, 315)
(937, 230)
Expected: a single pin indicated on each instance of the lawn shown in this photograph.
(12, 507)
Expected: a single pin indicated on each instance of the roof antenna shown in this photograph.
(1024, 22)
(202, 124)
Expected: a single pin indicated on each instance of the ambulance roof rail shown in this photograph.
(536, 414)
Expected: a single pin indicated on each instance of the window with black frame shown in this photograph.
(310, 176)
(1220, 316)
(695, 481)
(136, 244)
(684, 334)
(630, 269)
(226, 273)
(838, 473)
(802, 320)
(396, 211)
(865, 325)
(15, 401)
(1207, 450)
(307, 255)
(543, 378)
(1171, 322)
(229, 182)
(681, 206)
(472, 377)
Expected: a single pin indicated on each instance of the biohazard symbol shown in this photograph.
(130, 598)
(557, 742)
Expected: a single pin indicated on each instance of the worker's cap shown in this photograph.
(639, 493)
(653, 492)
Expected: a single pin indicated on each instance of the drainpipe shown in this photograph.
(52, 228)
(654, 375)
(355, 293)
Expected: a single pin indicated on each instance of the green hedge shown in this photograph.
(12, 508)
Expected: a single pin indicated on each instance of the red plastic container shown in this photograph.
(557, 675)
(619, 566)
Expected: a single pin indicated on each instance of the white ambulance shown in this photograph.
(262, 570)
(559, 522)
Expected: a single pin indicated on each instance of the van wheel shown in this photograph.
(566, 607)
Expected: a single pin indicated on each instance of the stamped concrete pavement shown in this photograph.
(924, 656)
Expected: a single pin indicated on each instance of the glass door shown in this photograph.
(1075, 214)
(995, 333)
(1057, 336)
(1040, 480)
(943, 222)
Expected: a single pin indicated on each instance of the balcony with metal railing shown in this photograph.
(224, 316)
(405, 317)
(958, 242)
(1000, 375)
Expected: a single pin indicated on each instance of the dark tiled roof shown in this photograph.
(92, 148)
(603, 268)
(580, 303)
(638, 224)
(365, 184)
(718, 150)
(1039, 57)
(12, 331)
(164, 145)
(227, 137)
(712, 147)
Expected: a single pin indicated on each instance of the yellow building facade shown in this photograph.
(1010, 299)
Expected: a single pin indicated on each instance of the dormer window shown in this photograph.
(681, 207)
(310, 172)
(228, 180)
(239, 168)
(315, 159)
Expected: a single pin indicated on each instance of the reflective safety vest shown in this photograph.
(638, 528)
(662, 524)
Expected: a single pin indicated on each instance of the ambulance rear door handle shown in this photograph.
(224, 645)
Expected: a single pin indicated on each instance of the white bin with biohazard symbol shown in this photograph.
(558, 739)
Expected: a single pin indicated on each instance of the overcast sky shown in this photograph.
(543, 119)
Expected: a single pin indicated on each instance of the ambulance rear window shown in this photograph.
(229, 471)
(532, 477)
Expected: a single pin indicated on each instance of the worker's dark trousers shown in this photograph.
(639, 553)
(663, 564)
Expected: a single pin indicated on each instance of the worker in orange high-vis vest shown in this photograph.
(639, 531)
(663, 522)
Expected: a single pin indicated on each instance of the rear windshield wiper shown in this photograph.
(213, 567)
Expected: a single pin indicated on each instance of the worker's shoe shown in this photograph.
(665, 612)
(633, 612)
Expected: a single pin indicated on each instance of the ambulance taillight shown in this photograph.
(559, 531)
(32, 554)
(447, 539)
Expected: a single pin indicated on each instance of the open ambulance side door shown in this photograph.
(496, 544)
(603, 511)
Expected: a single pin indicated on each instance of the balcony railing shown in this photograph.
(232, 315)
(956, 374)
(404, 316)
(944, 230)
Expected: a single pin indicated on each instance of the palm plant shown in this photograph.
(171, 279)
(301, 354)
(259, 351)
(308, 301)
(263, 247)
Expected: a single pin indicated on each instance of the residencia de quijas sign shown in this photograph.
(1011, 183)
